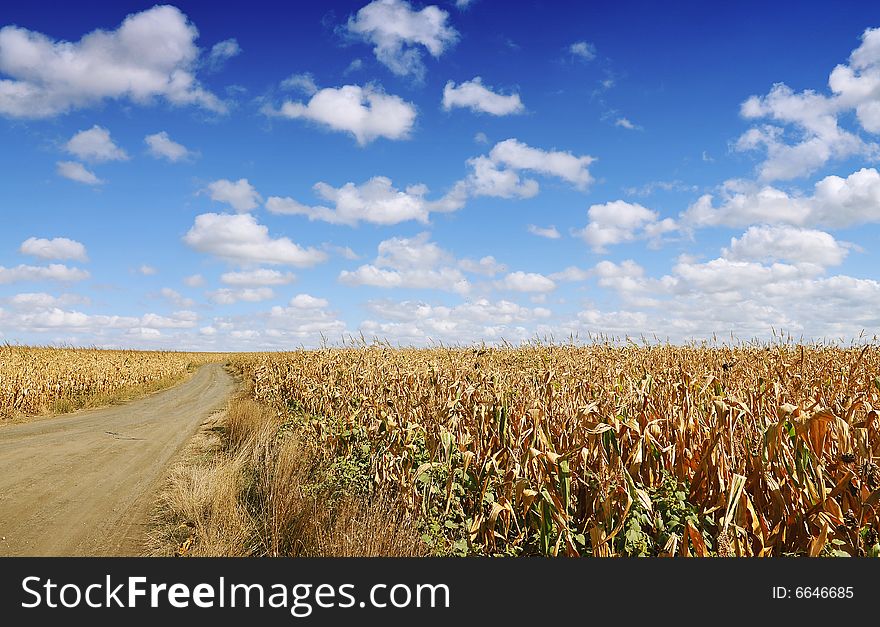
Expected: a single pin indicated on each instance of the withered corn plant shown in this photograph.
(604, 450)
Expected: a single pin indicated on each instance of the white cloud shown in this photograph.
(95, 144)
(627, 124)
(300, 82)
(583, 50)
(519, 156)
(786, 243)
(815, 117)
(476, 97)
(487, 266)
(306, 301)
(52, 272)
(365, 112)
(549, 232)
(147, 270)
(175, 298)
(397, 32)
(261, 276)
(240, 238)
(377, 201)
(162, 146)
(41, 300)
(152, 54)
(618, 221)
(194, 280)
(481, 138)
(487, 179)
(526, 282)
(77, 172)
(227, 296)
(240, 194)
(54, 318)
(55, 248)
(857, 85)
(420, 323)
(836, 202)
(571, 273)
(410, 263)
(463, 4)
(221, 52)
(446, 279)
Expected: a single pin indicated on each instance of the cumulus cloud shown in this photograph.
(487, 266)
(366, 112)
(836, 202)
(419, 323)
(228, 296)
(54, 318)
(398, 33)
(498, 173)
(488, 179)
(95, 144)
(377, 201)
(176, 298)
(815, 118)
(475, 96)
(30, 301)
(857, 85)
(55, 248)
(519, 156)
(259, 277)
(526, 282)
(571, 273)
(306, 301)
(162, 146)
(618, 221)
(786, 243)
(147, 270)
(52, 272)
(240, 194)
(194, 280)
(240, 238)
(152, 54)
(77, 172)
(549, 232)
(412, 262)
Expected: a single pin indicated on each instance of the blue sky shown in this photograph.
(265, 175)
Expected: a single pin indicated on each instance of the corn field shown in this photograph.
(602, 450)
(37, 380)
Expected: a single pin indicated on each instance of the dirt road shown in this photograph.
(83, 484)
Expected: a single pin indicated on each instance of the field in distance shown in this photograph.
(37, 381)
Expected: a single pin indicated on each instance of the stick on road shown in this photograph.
(83, 484)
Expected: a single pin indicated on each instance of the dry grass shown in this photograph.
(36, 381)
(248, 487)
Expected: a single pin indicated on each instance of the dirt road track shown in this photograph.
(83, 484)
